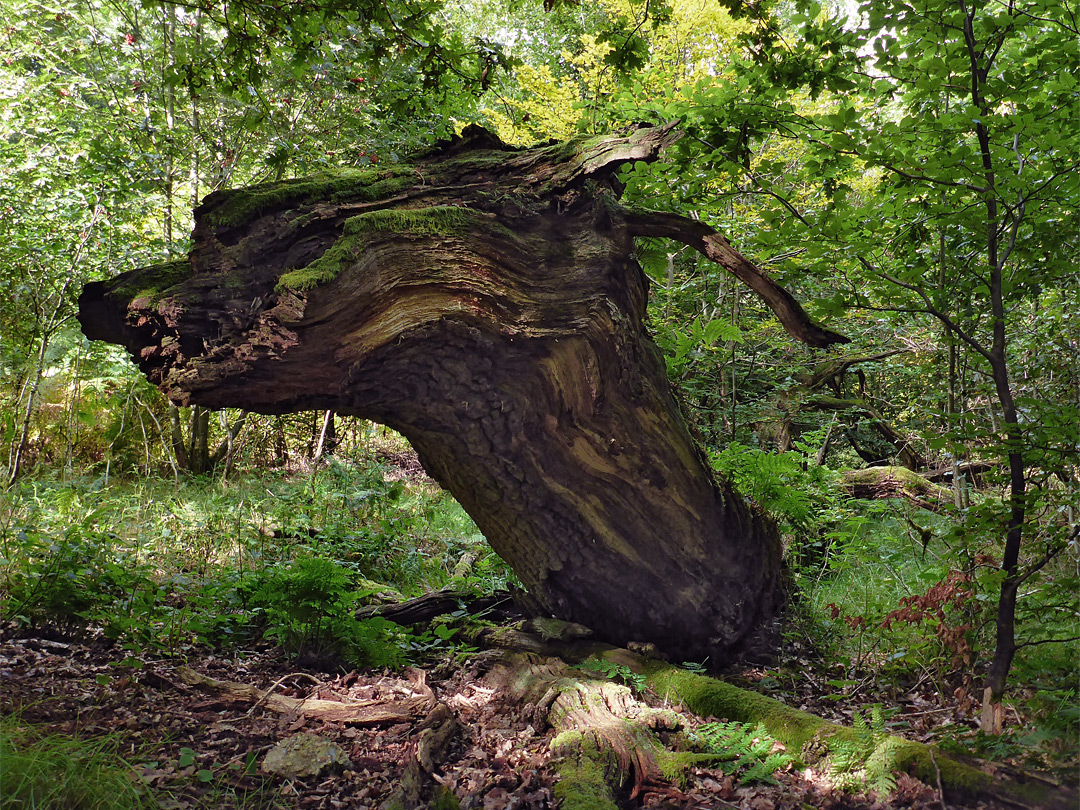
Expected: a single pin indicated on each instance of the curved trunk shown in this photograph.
(485, 303)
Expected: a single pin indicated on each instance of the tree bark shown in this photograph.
(484, 302)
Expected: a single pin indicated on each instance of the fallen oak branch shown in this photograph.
(897, 482)
(364, 713)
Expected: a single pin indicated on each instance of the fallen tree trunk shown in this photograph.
(484, 302)
(897, 482)
(436, 603)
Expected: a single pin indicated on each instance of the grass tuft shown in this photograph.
(51, 771)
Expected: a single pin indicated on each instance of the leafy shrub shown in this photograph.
(309, 608)
(64, 580)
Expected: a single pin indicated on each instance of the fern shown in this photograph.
(862, 763)
(749, 752)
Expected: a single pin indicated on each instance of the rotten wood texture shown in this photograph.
(599, 724)
(897, 482)
(361, 713)
(483, 301)
(426, 607)
(832, 372)
(527, 675)
(905, 453)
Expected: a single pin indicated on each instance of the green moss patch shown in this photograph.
(801, 732)
(151, 282)
(434, 220)
(582, 784)
(706, 697)
(234, 208)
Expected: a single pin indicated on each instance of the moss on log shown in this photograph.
(804, 733)
(897, 482)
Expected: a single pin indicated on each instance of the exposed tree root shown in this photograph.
(609, 741)
(606, 740)
(809, 736)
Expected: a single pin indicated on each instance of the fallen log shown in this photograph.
(897, 482)
(437, 603)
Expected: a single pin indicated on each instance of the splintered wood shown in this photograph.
(362, 713)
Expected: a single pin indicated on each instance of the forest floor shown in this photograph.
(196, 749)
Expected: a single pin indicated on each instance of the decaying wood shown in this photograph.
(600, 726)
(805, 735)
(485, 302)
(437, 603)
(901, 447)
(831, 373)
(437, 731)
(363, 713)
(972, 469)
(897, 482)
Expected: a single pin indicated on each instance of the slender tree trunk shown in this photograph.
(176, 437)
(327, 437)
(1005, 621)
(981, 64)
(21, 446)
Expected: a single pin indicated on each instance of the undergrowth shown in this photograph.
(858, 764)
(53, 771)
(748, 752)
(163, 564)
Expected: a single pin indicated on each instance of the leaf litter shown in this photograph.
(196, 749)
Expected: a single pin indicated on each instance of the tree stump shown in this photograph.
(485, 302)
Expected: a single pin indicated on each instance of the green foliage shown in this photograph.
(746, 751)
(616, 672)
(308, 607)
(782, 484)
(45, 771)
(197, 563)
(859, 763)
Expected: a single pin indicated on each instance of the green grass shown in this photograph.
(55, 772)
(164, 563)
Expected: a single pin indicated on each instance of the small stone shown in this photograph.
(304, 755)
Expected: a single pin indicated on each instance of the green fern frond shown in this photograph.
(744, 750)
(862, 763)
